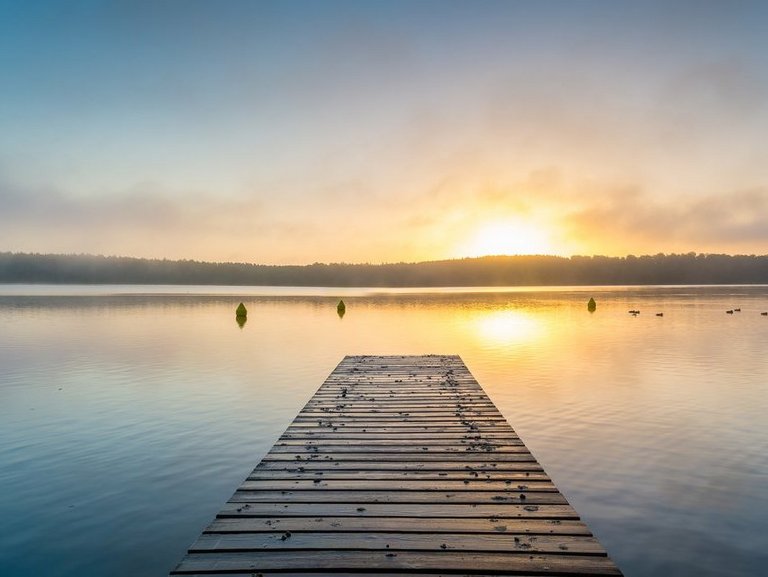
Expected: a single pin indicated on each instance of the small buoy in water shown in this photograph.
(241, 315)
(341, 308)
(591, 305)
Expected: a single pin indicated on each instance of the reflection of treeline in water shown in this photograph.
(688, 268)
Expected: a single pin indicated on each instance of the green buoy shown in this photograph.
(591, 305)
(241, 311)
(341, 308)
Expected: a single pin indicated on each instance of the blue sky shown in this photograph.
(291, 132)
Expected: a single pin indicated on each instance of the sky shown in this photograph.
(296, 132)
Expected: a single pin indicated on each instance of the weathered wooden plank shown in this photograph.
(452, 415)
(499, 511)
(379, 393)
(349, 574)
(398, 436)
(416, 399)
(471, 467)
(322, 426)
(422, 456)
(414, 447)
(426, 372)
(335, 441)
(475, 542)
(394, 425)
(397, 419)
(403, 428)
(293, 473)
(402, 378)
(405, 384)
(436, 400)
(448, 408)
(398, 524)
(298, 443)
(405, 424)
(401, 393)
(438, 484)
(391, 496)
(430, 398)
(392, 374)
(440, 402)
(394, 402)
(411, 561)
(397, 402)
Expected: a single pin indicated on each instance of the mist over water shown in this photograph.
(128, 415)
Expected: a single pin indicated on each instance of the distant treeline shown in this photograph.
(688, 268)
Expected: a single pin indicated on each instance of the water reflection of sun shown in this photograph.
(507, 327)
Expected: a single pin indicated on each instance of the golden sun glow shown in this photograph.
(507, 237)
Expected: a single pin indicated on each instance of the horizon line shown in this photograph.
(383, 263)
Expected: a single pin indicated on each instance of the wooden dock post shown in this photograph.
(398, 465)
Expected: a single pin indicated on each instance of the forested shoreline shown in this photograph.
(690, 268)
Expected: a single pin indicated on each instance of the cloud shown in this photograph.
(737, 217)
(630, 220)
(51, 208)
(333, 221)
(145, 220)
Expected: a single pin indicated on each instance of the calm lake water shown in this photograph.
(129, 415)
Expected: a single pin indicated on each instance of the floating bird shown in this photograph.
(729, 312)
(659, 314)
(764, 314)
(737, 310)
(634, 313)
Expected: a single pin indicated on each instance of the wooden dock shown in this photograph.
(398, 466)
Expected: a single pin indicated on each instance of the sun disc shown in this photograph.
(508, 238)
